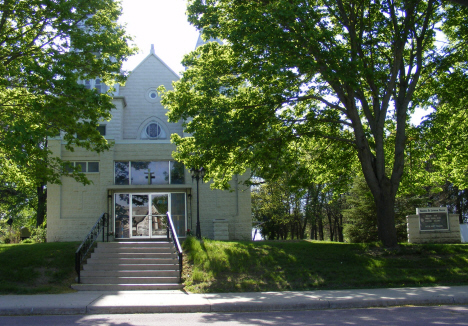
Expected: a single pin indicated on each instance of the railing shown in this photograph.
(89, 241)
(175, 239)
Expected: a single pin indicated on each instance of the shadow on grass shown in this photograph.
(305, 265)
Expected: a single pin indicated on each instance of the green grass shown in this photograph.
(37, 268)
(216, 266)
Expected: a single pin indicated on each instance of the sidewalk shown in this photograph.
(129, 302)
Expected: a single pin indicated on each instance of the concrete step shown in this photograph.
(126, 287)
(135, 249)
(128, 280)
(136, 255)
(130, 273)
(131, 261)
(130, 267)
(136, 244)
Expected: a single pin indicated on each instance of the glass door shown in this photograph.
(141, 223)
(159, 208)
(144, 215)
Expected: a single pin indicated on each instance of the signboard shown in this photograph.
(433, 218)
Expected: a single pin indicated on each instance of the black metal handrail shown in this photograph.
(88, 242)
(170, 228)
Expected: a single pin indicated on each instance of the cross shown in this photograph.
(150, 176)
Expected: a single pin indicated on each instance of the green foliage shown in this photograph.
(325, 74)
(361, 217)
(216, 266)
(47, 47)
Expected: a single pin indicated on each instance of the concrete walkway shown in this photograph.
(129, 302)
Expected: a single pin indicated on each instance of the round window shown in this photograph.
(153, 95)
(153, 130)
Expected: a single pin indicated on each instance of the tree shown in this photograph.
(345, 71)
(47, 47)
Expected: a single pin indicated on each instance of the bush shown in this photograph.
(39, 235)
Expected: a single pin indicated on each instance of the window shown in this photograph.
(95, 83)
(153, 131)
(102, 130)
(84, 167)
(149, 173)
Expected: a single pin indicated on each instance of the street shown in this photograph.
(408, 316)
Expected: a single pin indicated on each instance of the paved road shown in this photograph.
(398, 316)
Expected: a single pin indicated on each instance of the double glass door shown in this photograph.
(144, 215)
(148, 215)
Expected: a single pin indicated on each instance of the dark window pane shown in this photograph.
(93, 166)
(121, 173)
(102, 130)
(68, 167)
(177, 173)
(122, 216)
(97, 85)
(82, 165)
(178, 213)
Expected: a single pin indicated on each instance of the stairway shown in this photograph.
(123, 266)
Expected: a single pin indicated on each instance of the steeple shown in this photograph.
(152, 49)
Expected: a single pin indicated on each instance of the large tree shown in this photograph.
(46, 48)
(344, 71)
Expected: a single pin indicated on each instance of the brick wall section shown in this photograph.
(417, 236)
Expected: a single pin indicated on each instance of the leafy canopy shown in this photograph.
(47, 47)
(294, 71)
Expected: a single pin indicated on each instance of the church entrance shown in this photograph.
(143, 215)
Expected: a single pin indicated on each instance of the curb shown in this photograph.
(158, 302)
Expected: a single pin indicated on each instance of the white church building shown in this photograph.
(137, 181)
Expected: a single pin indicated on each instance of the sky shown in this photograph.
(162, 23)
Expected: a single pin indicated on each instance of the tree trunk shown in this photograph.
(320, 229)
(330, 225)
(41, 205)
(340, 228)
(385, 204)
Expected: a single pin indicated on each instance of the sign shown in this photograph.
(433, 218)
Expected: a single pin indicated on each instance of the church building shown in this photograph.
(137, 181)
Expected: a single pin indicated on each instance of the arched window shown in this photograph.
(153, 131)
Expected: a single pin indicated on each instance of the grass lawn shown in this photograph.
(217, 266)
(37, 268)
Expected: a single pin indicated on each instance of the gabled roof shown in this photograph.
(153, 54)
